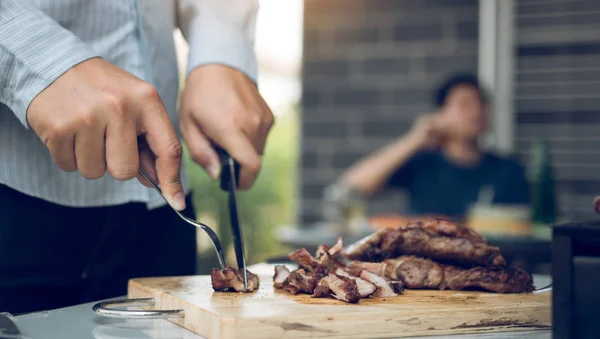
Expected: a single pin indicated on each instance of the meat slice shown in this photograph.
(416, 240)
(230, 279)
(300, 281)
(397, 286)
(419, 273)
(383, 287)
(365, 288)
(322, 290)
(368, 248)
(414, 272)
(281, 274)
(308, 262)
(494, 279)
(342, 288)
(437, 227)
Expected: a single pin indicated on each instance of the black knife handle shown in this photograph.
(225, 171)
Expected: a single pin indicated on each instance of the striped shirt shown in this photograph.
(41, 39)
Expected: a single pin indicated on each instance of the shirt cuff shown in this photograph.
(37, 51)
(215, 42)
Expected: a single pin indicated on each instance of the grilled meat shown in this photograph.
(308, 262)
(365, 288)
(441, 227)
(383, 287)
(326, 275)
(322, 290)
(397, 286)
(495, 279)
(416, 240)
(281, 274)
(342, 288)
(230, 279)
(419, 273)
(301, 281)
(413, 271)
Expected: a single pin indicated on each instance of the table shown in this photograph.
(80, 322)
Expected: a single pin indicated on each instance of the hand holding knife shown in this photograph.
(230, 173)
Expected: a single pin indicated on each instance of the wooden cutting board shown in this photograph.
(270, 313)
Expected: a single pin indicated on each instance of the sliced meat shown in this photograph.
(368, 248)
(383, 287)
(322, 290)
(342, 288)
(415, 240)
(230, 279)
(308, 262)
(420, 273)
(281, 274)
(494, 279)
(300, 281)
(414, 272)
(446, 228)
(365, 288)
(397, 286)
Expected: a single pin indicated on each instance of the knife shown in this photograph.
(230, 174)
(8, 328)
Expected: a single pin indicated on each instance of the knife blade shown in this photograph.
(8, 328)
(230, 173)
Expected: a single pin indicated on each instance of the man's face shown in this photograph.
(464, 113)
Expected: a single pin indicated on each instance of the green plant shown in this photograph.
(269, 204)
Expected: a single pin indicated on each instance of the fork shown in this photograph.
(211, 234)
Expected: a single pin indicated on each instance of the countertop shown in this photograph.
(80, 322)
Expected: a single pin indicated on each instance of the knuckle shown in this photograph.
(174, 150)
(148, 92)
(58, 130)
(115, 104)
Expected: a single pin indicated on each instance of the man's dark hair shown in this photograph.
(468, 79)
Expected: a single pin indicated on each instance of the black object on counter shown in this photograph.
(576, 281)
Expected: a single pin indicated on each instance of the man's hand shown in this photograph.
(222, 106)
(90, 119)
(427, 131)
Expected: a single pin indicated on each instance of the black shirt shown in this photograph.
(438, 186)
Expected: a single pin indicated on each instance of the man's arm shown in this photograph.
(220, 32)
(370, 174)
(34, 51)
(221, 103)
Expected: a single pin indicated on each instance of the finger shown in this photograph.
(165, 145)
(122, 157)
(242, 150)
(147, 161)
(201, 150)
(90, 152)
(63, 151)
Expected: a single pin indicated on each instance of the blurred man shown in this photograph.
(440, 162)
(90, 87)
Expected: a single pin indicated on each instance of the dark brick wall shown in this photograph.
(369, 67)
(557, 94)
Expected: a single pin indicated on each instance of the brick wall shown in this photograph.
(369, 68)
(557, 94)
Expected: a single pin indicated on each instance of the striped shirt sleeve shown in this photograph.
(34, 51)
(220, 32)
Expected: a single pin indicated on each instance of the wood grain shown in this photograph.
(270, 313)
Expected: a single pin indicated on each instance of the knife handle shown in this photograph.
(225, 179)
